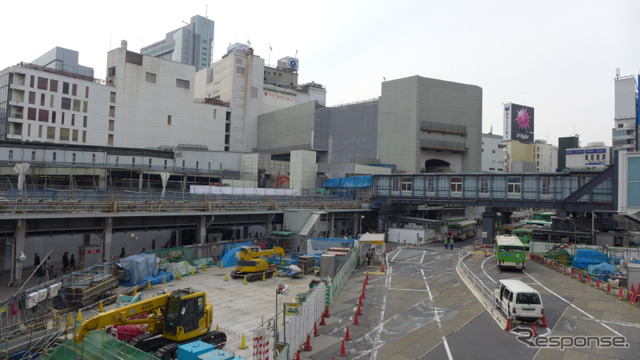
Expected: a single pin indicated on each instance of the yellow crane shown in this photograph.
(251, 261)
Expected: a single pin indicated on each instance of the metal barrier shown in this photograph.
(484, 291)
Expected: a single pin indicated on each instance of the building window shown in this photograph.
(110, 140)
(183, 164)
(64, 134)
(74, 135)
(456, 184)
(133, 162)
(197, 165)
(240, 70)
(32, 98)
(182, 84)
(73, 158)
(66, 103)
(514, 185)
(150, 77)
(31, 81)
(86, 92)
(65, 88)
(431, 185)
(112, 111)
(10, 155)
(51, 100)
(43, 115)
(93, 158)
(33, 156)
(165, 164)
(42, 99)
(84, 121)
(76, 105)
(111, 125)
(111, 71)
(74, 89)
(112, 97)
(117, 161)
(85, 106)
(32, 113)
(546, 185)
(42, 83)
(54, 156)
(149, 163)
(73, 119)
(484, 184)
(168, 119)
(407, 184)
(51, 132)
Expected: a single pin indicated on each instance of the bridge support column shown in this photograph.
(106, 239)
(140, 182)
(489, 217)
(269, 224)
(332, 224)
(202, 230)
(356, 225)
(18, 249)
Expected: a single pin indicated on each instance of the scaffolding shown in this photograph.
(97, 345)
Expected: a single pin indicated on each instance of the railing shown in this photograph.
(485, 292)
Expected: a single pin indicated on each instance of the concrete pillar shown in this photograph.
(178, 237)
(269, 224)
(489, 218)
(86, 239)
(202, 230)
(332, 228)
(106, 239)
(184, 183)
(140, 182)
(102, 180)
(18, 249)
(356, 225)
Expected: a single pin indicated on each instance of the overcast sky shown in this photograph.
(559, 57)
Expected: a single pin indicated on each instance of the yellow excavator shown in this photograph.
(251, 262)
(179, 317)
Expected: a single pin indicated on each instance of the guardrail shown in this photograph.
(591, 280)
(484, 291)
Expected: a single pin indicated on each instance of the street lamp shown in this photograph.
(280, 290)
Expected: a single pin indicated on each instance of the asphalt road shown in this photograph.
(420, 308)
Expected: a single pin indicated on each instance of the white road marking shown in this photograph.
(435, 312)
(422, 258)
(573, 306)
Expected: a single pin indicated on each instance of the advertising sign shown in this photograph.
(518, 123)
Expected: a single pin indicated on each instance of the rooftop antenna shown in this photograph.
(617, 73)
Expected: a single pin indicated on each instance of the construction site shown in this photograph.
(179, 303)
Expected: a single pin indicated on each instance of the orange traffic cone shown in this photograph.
(620, 294)
(359, 312)
(533, 330)
(326, 311)
(355, 320)
(508, 327)
(366, 279)
(571, 272)
(597, 283)
(544, 321)
(322, 323)
(362, 295)
(315, 330)
(346, 334)
(342, 351)
(632, 298)
(360, 300)
(608, 288)
(307, 346)
(297, 355)
(632, 290)
(485, 253)
(382, 268)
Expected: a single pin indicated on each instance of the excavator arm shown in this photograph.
(120, 316)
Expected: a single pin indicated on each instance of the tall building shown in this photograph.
(430, 125)
(191, 44)
(625, 131)
(564, 143)
(44, 104)
(62, 59)
(241, 79)
(546, 156)
(492, 153)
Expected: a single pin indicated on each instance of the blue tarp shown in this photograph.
(585, 257)
(351, 182)
(602, 271)
(229, 259)
(155, 280)
(231, 246)
(137, 267)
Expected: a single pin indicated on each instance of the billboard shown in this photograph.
(518, 123)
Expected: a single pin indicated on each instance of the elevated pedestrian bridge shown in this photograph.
(575, 191)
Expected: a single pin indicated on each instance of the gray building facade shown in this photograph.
(191, 44)
(430, 125)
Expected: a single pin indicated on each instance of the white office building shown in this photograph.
(546, 156)
(625, 131)
(492, 153)
(595, 155)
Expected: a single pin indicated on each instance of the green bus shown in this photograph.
(463, 230)
(525, 233)
(543, 215)
(510, 252)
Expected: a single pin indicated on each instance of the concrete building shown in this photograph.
(546, 156)
(492, 153)
(430, 125)
(251, 88)
(595, 155)
(141, 93)
(519, 157)
(65, 60)
(564, 143)
(625, 131)
(191, 44)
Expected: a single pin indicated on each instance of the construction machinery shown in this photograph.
(252, 264)
(175, 318)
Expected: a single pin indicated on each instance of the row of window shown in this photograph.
(45, 115)
(514, 184)
(44, 83)
(65, 134)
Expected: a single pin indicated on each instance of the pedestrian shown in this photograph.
(370, 254)
(72, 262)
(65, 262)
(39, 270)
(122, 253)
(446, 241)
(451, 243)
(52, 273)
(47, 266)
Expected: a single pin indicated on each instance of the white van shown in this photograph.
(518, 300)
